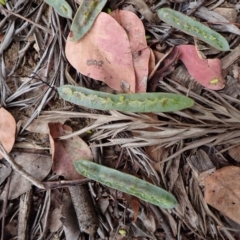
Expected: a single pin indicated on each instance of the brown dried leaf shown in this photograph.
(222, 191)
(37, 165)
(65, 152)
(143, 8)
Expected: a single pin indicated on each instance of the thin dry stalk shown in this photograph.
(26, 19)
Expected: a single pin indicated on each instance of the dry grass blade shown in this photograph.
(30, 21)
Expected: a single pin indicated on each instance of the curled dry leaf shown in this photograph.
(104, 54)
(7, 130)
(65, 152)
(208, 72)
(222, 191)
(140, 50)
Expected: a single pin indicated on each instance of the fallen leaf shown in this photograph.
(140, 50)
(164, 66)
(208, 72)
(7, 130)
(143, 8)
(104, 54)
(222, 191)
(35, 164)
(65, 152)
(40, 125)
(85, 17)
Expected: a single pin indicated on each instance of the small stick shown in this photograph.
(64, 183)
(84, 208)
(26, 19)
(19, 169)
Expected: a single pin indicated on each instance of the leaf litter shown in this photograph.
(211, 124)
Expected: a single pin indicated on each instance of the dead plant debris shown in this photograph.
(193, 153)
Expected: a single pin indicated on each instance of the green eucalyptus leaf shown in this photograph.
(85, 17)
(61, 7)
(126, 183)
(193, 28)
(3, 2)
(136, 102)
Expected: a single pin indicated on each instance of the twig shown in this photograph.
(26, 19)
(5, 207)
(64, 183)
(19, 169)
(84, 208)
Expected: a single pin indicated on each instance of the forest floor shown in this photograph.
(192, 153)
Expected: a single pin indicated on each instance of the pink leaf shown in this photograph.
(208, 72)
(104, 54)
(140, 50)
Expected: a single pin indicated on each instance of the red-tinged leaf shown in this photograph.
(65, 152)
(7, 130)
(208, 72)
(140, 50)
(104, 54)
(222, 191)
